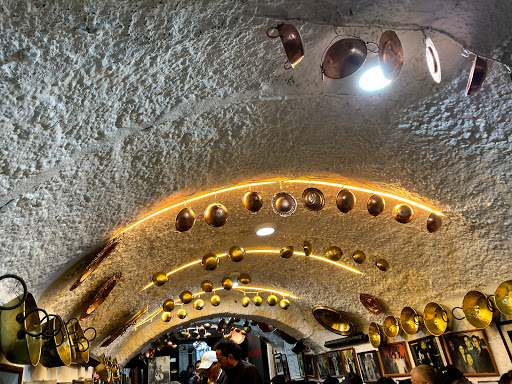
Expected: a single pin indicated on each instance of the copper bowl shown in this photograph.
(391, 326)
(391, 55)
(503, 297)
(313, 199)
(477, 76)
(437, 318)
(185, 219)
(284, 204)
(252, 201)
(292, 43)
(434, 222)
(344, 58)
(345, 201)
(216, 215)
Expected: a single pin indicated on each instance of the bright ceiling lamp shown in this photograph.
(265, 231)
(373, 79)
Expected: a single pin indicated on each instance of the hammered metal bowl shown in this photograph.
(403, 213)
(391, 326)
(284, 204)
(375, 335)
(410, 320)
(186, 297)
(252, 201)
(434, 222)
(185, 219)
(503, 297)
(286, 252)
(437, 318)
(236, 253)
(478, 309)
(307, 248)
(375, 205)
(345, 201)
(333, 253)
(210, 261)
(333, 320)
(313, 199)
(216, 215)
(207, 286)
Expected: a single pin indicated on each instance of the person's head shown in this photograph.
(209, 364)
(467, 341)
(476, 341)
(461, 349)
(228, 353)
(452, 375)
(331, 380)
(190, 368)
(197, 364)
(386, 380)
(351, 378)
(469, 359)
(423, 374)
(506, 378)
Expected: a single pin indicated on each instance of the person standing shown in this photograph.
(238, 371)
(210, 367)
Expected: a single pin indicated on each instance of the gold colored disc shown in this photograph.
(227, 283)
(333, 253)
(284, 304)
(182, 313)
(199, 304)
(246, 301)
(257, 300)
(168, 305)
(236, 253)
(215, 300)
(159, 278)
(272, 300)
(186, 297)
(207, 286)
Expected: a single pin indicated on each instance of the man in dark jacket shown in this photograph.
(238, 371)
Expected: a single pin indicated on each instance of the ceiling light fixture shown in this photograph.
(265, 231)
(373, 79)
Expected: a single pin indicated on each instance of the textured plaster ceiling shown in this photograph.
(112, 109)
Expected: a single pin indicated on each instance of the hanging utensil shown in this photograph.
(479, 310)
(21, 330)
(371, 303)
(313, 199)
(292, 43)
(56, 350)
(10, 283)
(410, 320)
(185, 220)
(101, 295)
(79, 343)
(391, 326)
(503, 297)
(477, 75)
(333, 320)
(437, 318)
(344, 58)
(377, 338)
(391, 55)
(434, 65)
(284, 204)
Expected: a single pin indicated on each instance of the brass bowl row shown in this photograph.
(284, 204)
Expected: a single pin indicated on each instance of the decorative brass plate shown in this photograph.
(333, 320)
(284, 204)
(101, 295)
(313, 199)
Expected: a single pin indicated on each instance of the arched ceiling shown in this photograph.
(112, 110)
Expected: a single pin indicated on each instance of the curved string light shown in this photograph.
(338, 185)
(269, 251)
(244, 290)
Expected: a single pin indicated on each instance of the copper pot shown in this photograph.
(343, 58)
(476, 76)
(56, 350)
(79, 343)
(292, 43)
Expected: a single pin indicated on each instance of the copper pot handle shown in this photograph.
(455, 317)
(55, 332)
(80, 344)
(444, 316)
(21, 319)
(92, 338)
(289, 66)
(490, 305)
(25, 291)
(270, 29)
(418, 322)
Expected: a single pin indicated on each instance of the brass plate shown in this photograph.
(313, 199)
(478, 309)
(101, 295)
(333, 320)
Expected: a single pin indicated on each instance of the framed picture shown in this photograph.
(278, 361)
(323, 367)
(426, 351)
(310, 365)
(301, 364)
(349, 361)
(505, 330)
(285, 367)
(469, 351)
(395, 359)
(10, 374)
(369, 366)
(335, 363)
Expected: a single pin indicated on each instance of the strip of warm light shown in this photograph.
(248, 289)
(366, 190)
(271, 251)
(338, 185)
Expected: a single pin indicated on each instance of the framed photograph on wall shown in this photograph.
(426, 351)
(302, 364)
(335, 363)
(505, 330)
(309, 362)
(369, 366)
(469, 351)
(395, 359)
(322, 365)
(10, 374)
(278, 362)
(349, 360)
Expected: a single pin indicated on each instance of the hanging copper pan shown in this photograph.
(371, 303)
(313, 199)
(433, 62)
(101, 295)
(345, 201)
(343, 58)
(476, 76)
(252, 201)
(377, 337)
(479, 309)
(391, 55)
(20, 331)
(79, 343)
(292, 43)
(56, 351)
(216, 215)
(185, 219)
(104, 370)
(124, 326)
(503, 297)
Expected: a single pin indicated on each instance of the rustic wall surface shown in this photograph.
(113, 109)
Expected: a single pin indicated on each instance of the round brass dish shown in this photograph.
(252, 201)
(382, 264)
(216, 215)
(56, 350)
(333, 253)
(236, 253)
(371, 303)
(185, 219)
(307, 248)
(359, 256)
(244, 278)
(333, 320)
(375, 205)
(286, 252)
(272, 300)
(246, 301)
(186, 297)
(391, 55)
(27, 349)
(159, 278)
(257, 300)
(199, 304)
(403, 213)
(375, 335)
(166, 316)
(345, 201)
(168, 305)
(437, 318)
(313, 199)
(227, 283)
(391, 326)
(215, 300)
(284, 204)
(410, 320)
(182, 313)
(210, 261)
(207, 286)
(478, 308)
(434, 222)
(284, 304)
(503, 297)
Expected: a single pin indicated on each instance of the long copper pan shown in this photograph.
(292, 43)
